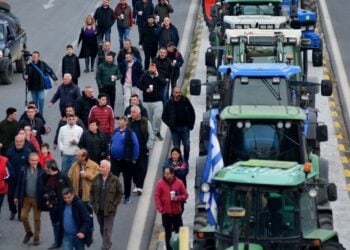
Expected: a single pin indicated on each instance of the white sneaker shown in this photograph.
(139, 191)
(135, 190)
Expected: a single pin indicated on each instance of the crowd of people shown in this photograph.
(95, 149)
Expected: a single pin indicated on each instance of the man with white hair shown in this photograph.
(105, 196)
(68, 93)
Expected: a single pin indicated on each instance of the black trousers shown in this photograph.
(110, 92)
(170, 224)
(10, 197)
(150, 53)
(141, 169)
(128, 170)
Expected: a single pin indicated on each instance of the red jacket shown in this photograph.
(4, 174)
(105, 115)
(43, 159)
(162, 196)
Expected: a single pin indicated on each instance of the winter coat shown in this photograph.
(4, 174)
(36, 124)
(164, 67)
(126, 10)
(158, 83)
(35, 80)
(147, 10)
(149, 36)
(162, 196)
(8, 132)
(22, 183)
(105, 115)
(163, 10)
(66, 135)
(166, 35)
(17, 158)
(62, 123)
(68, 94)
(54, 196)
(144, 113)
(91, 171)
(104, 18)
(169, 113)
(87, 142)
(89, 44)
(43, 159)
(104, 72)
(70, 64)
(133, 50)
(176, 55)
(144, 133)
(180, 173)
(101, 55)
(113, 194)
(125, 145)
(136, 72)
(83, 106)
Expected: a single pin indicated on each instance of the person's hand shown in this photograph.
(149, 90)
(48, 130)
(15, 201)
(56, 82)
(133, 162)
(25, 77)
(0, 145)
(49, 104)
(54, 146)
(80, 235)
(82, 174)
(156, 73)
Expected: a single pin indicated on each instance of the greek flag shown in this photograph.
(213, 164)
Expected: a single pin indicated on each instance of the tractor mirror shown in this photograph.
(293, 11)
(322, 132)
(212, 37)
(332, 192)
(10, 37)
(195, 87)
(326, 87)
(210, 59)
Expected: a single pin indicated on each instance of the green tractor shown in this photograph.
(269, 173)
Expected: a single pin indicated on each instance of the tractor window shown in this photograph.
(261, 141)
(308, 212)
(260, 92)
(277, 215)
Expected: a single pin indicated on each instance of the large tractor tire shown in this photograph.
(309, 5)
(6, 71)
(325, 221)
(200, 221)
(332, 245)
(206, 5)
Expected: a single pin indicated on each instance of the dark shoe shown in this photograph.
(36, 242)
(127, 200)
(86, 71)
(92, 70)
(19, 217)
(139, 191)
(159, 136)
(12, 216)
(54, 246)
(27, 237)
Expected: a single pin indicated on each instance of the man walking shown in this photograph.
(164, 68)
(8, 129)
(84, 104)
(104, 17)
(149, 40)
(68, 139)
(131, 70)
(106, 76)
(29, 193)
(70, 64)
(169, 193)
(104, 51)
(105, 196)
(168, 33)
(124, 154)
(135, 100)
(123, 15)
(128, 48)
(35, 81)
(179, 116)
(67, 92)
(176, 62)
(142, 10)
(152, 84)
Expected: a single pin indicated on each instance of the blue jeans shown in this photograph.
(67, 162)
(38, 96)
(123, 34)
(166, 92)
(55, 221)
(106, 34)
(70, 242)
(182, 134)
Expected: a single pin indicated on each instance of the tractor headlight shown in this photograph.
(234, 40)
(205, 187)
(239, 124)
(312, 193)
(280, 124)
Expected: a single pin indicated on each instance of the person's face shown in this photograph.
(104, 169)
(163, 53)
(177, 94)
(68, 198)
(171, 48)
(13, 116)
(33, 161)
(106, 46)
(152, 68)
(135, 114)
(105, 3)
(44, 150)
(35, 57)
(89, 92)
(27, 130)
(127, 45)
(19, 142)
(31, 113)
(150, 21)
(89, 20)
(93, 127)
(167, 175)
(71, 121)
(109, 59)
(134, 101)
(128, 58)
(175, 156)
(80, 156)
(70, 51)
(70, 111)
(123, 1)
(102, 101)
(166, 21)
(67, 80)
(122, 123)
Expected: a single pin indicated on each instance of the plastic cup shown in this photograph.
(151, 87)
(172, 195)
(121, 16)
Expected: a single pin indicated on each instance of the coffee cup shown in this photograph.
(151, 87)
(140, 13)
(157, 19)
(174, 61)
(113, 78)
(121, 16)
(172, 195)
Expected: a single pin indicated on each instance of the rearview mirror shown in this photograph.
(326, 87)
(332, 192)
(322, 133)
(195, 87)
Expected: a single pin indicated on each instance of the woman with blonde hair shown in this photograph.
(88, 37)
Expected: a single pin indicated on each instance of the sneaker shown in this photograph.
(135, 190)
(139, 191)
(159, 136)
(36, 242)
(54, 246)
(12, 216)
(27, 237)
(127, 200)
(92, 70)
(86, 71)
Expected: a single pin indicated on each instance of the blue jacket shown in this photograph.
(163, 39)
(136, 71)
(67, 94)
(17, 158)
(123, 148)
(22, 182)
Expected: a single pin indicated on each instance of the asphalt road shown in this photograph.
(50, 26)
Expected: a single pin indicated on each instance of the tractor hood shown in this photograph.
(255, 21)
(260, 70)
(263, 172)
(251, 246)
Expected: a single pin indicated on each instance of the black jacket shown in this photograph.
(70, 64)
(86, 141)
(35, 80)
(22, 183)
(149, 36)
(147, 10)
(158, 83)
(164, 67)
(17, 158)
(54, 196)
(68, 94)
(83, 106)
(134, 51)
(37, 124)
(144, 113)
(169, 113)
(136, 72)
(104, 18)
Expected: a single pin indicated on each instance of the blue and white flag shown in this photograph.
(213, 164)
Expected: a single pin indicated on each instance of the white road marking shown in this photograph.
(49, 5)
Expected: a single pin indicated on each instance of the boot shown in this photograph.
(86, 65)
(92, 64)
